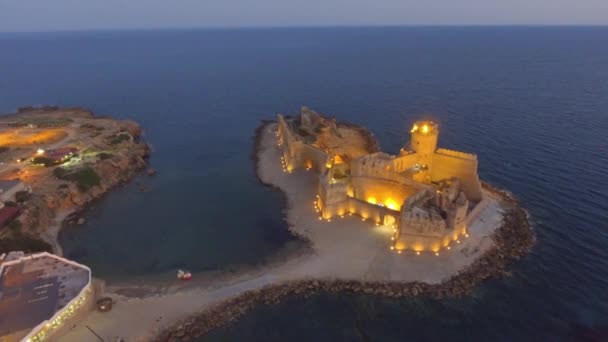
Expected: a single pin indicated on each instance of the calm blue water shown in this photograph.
(532, 102)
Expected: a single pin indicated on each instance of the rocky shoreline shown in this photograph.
(56, 202)
(512, 240)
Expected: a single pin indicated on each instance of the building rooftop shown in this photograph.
(7, 214)
(59, 153)
(33, 288)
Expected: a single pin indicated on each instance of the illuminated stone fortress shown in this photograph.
(427, 194)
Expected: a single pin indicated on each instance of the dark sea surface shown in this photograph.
(531, 102)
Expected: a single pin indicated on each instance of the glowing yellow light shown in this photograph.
(391, 204)
(436, 254)
(457, 241)
(467, 235)
(371, 200)
(39, 151)
(392, 238)
(414, 129)
(449, 247)
(417, 253)
(399, 251)
(425, 129)
(392, 247)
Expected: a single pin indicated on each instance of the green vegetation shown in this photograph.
(43, 161)
(85, 178)
(43, 122)
(118, 138)
(15, 226)
(91, 126)
(23, 243)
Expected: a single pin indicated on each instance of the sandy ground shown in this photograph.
(344, 248)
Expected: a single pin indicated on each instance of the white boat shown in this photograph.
(184, 275)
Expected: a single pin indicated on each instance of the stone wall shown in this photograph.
(380, 191)
(461, 165)
(353, 206)
(295, 152)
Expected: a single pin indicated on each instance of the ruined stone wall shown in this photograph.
(296, 153)
(310, 156)
(472, 216)
(448, 164)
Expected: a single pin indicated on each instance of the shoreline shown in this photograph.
(55, 200)
(512, 240)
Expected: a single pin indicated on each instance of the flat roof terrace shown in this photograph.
(34, 288)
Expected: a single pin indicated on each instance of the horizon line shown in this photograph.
(270, 27)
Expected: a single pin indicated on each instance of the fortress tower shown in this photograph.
(424, 143)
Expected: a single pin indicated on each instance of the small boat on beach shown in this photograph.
(184, 275)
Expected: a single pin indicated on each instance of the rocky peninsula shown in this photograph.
(503, 236)
(346, 255)
(66, 158)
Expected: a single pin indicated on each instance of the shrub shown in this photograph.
(118, 138)
(85, 178)
(15, 226)
(44, 161)
(22, 196)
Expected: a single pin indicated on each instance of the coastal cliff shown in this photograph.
(68, 157)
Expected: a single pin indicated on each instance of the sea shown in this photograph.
(532, 102)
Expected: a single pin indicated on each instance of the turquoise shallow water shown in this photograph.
(531, 102)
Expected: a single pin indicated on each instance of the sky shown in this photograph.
(70, 15)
